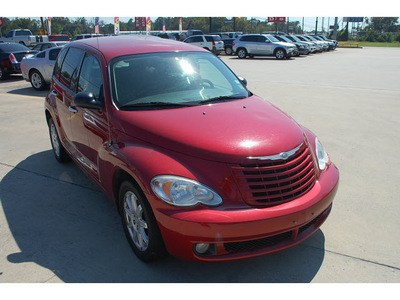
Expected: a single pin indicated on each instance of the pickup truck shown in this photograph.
(24, 37)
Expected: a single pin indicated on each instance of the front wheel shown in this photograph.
(37, 80)
(241, 53)
(139, 223)
(280, 54)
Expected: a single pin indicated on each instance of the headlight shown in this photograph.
(322, 156)
(181, 191)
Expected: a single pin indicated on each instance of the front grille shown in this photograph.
(274, 182)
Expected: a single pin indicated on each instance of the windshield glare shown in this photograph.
(271, 38)
(175, 78)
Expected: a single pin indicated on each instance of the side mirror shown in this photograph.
(87, 100)
(243, 80)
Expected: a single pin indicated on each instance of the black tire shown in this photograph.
(228, 51)
(280, 53)
(140, 225)
(58, 149)
(241, 53)
(37, 81)
(3, 75)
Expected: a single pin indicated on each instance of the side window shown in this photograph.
(261, 39)
(189, 40)
(41, 54)
(197, 39)
(90, 79)
(209, 38)
(70, 68)
(53, 54)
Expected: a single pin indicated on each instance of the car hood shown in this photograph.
(286, 44)
(225, 132)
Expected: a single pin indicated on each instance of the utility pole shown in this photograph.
(335, 28)
(316, 25)
(302, 26)
(322, 25)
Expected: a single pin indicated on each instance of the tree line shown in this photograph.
(377, 29)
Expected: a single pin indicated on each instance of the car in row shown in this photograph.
(11, 55)
(198, 166)
(250, 45)
(38, 68)
(212, 43)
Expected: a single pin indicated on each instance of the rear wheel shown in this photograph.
(228, 51)
(37, 80)
(58, 149)
(139, 224)
(3, 75)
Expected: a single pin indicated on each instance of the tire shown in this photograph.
(3, 75)
(280, 54)
(58, 149)
(241, 53)
(228, 51)
(140, 225)
(36, 80)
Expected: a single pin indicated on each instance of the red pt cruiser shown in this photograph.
(197, 165)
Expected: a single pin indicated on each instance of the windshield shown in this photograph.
(271, 38)
(172, 79)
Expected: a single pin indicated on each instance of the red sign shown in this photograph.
(276, 19)
(140, 22)
(1, 22)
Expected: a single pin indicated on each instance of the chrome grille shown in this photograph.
(272, 182)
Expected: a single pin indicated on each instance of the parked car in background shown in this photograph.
(58, 38)
(11, 55)
(84, 36)
(228, 46)
(335, 43)
(262, 45)
(324, 45)
(44, 46)
(197, 165)
(318, 46)
(38, 68)
(166, 35)
(23, 37)
(301, 48)
(332, 45)
(312, 46)
(212, 43)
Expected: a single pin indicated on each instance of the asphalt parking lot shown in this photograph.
(56, 226)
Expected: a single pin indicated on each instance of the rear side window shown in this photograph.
(70, 68)
(41, 54)
(249, 38)
(60, 60)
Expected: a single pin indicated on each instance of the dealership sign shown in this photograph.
(140, 22)
(276, 19)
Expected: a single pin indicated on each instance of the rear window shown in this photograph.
(23, 33)
(12, 47)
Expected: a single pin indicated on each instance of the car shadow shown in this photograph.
(29, 91)
(62, 222)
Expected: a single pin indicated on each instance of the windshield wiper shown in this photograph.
(156, 104)
(222, 98)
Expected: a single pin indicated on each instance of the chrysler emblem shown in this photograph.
(282, 155)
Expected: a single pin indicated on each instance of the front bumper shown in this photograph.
(249, 232)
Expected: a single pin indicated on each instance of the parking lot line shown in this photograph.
(21, 96)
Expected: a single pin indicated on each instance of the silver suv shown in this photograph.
(263, 45)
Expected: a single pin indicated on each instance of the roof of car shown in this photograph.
(113, 46)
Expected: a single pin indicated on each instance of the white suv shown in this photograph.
(213, 43)
(263, 45)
